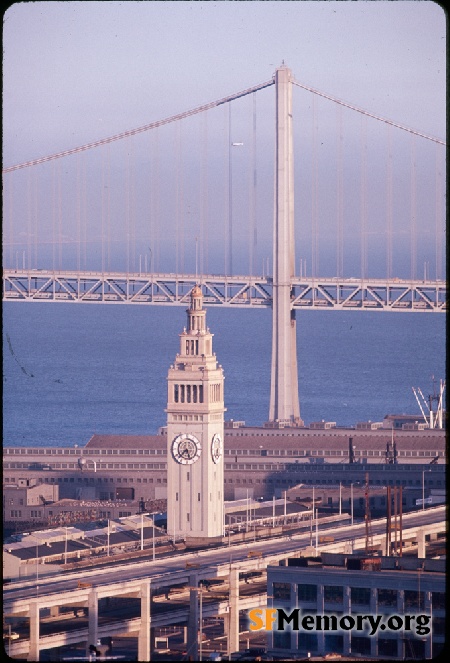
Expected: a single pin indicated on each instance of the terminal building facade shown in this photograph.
(257, 462)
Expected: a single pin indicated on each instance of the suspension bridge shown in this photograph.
(117, 220)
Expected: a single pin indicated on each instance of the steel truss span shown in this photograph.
(236, 291)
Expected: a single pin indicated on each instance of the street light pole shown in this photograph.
(351, 499)
(37, 568)
(317, 530)
(229, 631)
(153, 541)
(247, 512)
(423, 490)
(201, 623)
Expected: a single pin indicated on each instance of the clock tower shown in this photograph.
(195, 432)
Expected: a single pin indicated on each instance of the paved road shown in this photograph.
(207, 563)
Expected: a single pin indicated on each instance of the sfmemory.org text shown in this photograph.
(280, 620)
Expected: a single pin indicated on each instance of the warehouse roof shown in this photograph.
(289, 439)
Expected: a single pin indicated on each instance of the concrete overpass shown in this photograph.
(143, 581)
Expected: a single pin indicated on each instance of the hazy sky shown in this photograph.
(74, 72)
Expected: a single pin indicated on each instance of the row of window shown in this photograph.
(215, 393)
(199, 496)
(17, 513)
(87, 481)
(338, 431)
(312, 469)
(100, 466)
(193, 393)
(429, 480)
(284, 482)
(191, 347)
(330, 453)
(231, 452)
(188, 393)
(358, 595)
(331, 482)
(359, 645)
(196, 323)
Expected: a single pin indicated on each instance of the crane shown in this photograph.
(434, 418)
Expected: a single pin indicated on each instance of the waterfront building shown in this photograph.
(257, 463)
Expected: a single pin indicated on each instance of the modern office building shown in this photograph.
(348, 586)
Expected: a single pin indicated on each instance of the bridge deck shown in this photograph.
(233, 291)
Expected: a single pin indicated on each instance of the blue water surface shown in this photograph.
(72, 370)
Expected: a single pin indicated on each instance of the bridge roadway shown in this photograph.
(141, 579)
(240, 291)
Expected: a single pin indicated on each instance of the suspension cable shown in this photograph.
(200, 109)
(146, 127)
(364, 112)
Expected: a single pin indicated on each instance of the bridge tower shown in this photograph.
(195, 432)
(284, 401)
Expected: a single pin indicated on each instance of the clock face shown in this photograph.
(186, 449)
(216, 448)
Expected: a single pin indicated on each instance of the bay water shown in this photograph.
(73, 370)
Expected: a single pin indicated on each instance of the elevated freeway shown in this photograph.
(146, 580)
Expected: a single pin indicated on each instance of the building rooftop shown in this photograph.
(364, 562)
(292, 439)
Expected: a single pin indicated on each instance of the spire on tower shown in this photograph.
(196, 314)
(196, 298)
